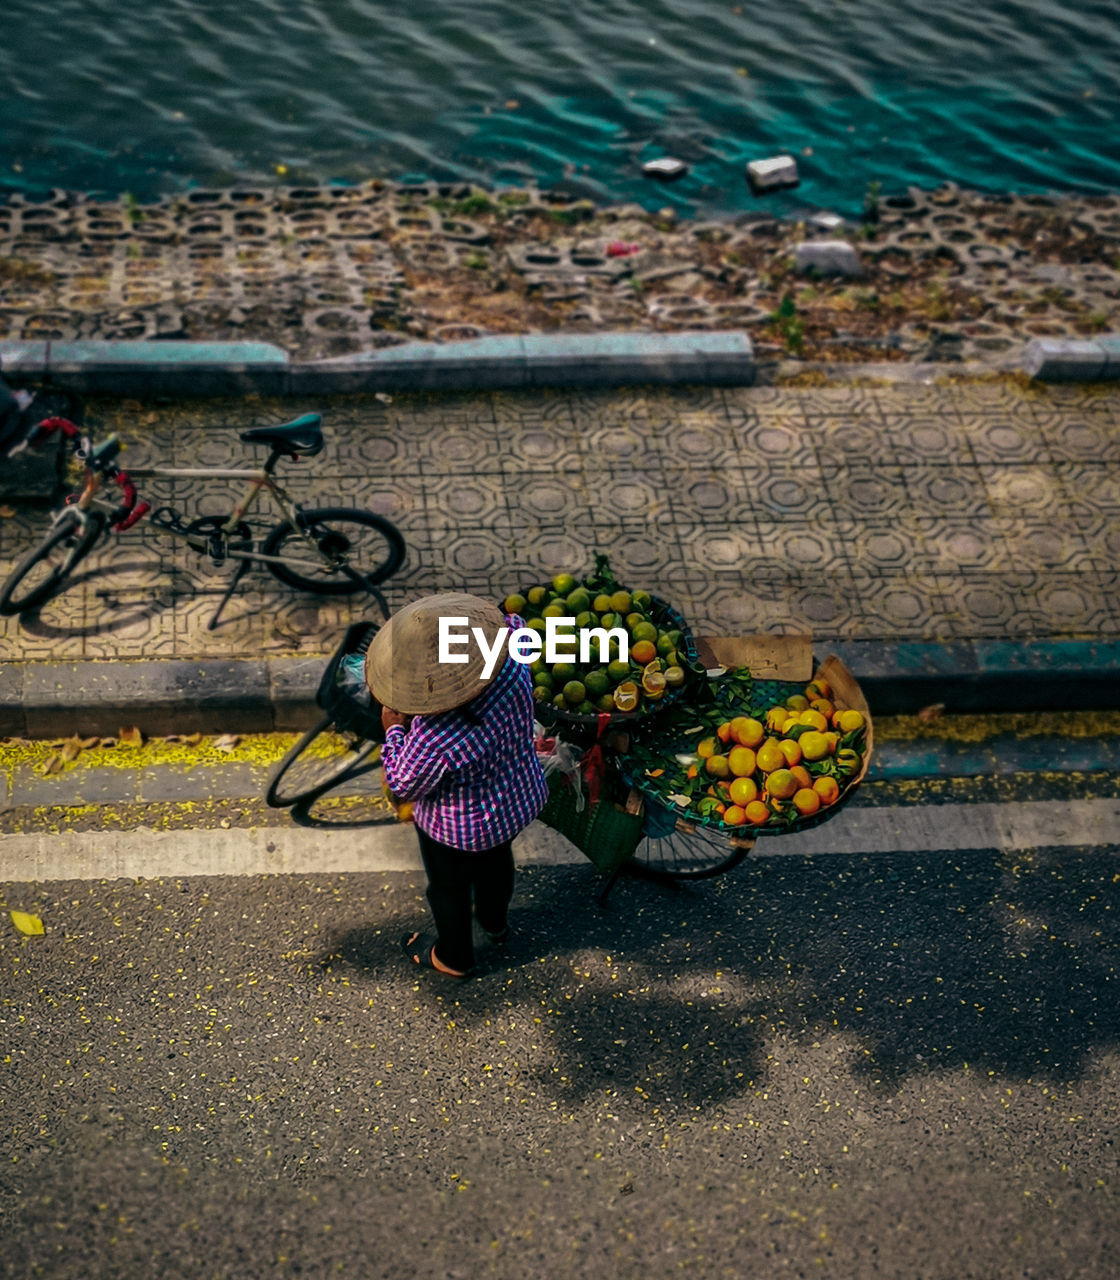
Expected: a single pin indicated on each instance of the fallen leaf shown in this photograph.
(71, 749)
(7, 512)
(933, 712)
(26, 923)
(108, 742)
(193, 739)
(226, 742)
(131, 737)
(53, 765)
(89, 742)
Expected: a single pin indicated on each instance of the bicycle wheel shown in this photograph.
(347, 538)
(317, 762)
(46, 567)
(690, 854)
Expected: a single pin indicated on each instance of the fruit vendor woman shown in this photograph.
(459, 744)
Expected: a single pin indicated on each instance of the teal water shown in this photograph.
(999, 95)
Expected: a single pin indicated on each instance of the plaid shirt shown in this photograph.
(475, 785)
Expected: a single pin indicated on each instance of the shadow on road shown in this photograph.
(922, 962)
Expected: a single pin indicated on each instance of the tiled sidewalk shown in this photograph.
(901, 512)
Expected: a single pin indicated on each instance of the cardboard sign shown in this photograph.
(769, 657)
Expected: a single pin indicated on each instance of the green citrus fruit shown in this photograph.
(563, 671)
(563, 583)
(597, 682)
(618, 671)
(537, 595)
(514, 604)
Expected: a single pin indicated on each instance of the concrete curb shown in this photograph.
(53, 699)
(505, 361)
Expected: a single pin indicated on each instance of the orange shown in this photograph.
(776, 719)
(849, 721)
(790, 750)
(797, 702)
(770, 756)
(743, 791)
(848, 761)
(782, 784)
(705, 748)
(742, 761)
(803, 776)
(813, 719)
(814, 745)
(823, 706)
(643, 652)
(718, 767)
(828, 789)
(757, 813)
(747, 731)
(626, 696)
(806, 801)
(723, 733)
(833, 741)
(818, 688)
(653, 682)
(734, 816)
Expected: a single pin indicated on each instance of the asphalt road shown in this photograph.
(900, 1065)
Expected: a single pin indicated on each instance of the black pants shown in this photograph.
(452, 874)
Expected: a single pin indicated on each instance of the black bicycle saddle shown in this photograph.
(300, 436)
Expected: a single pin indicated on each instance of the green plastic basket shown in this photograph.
(603, 831)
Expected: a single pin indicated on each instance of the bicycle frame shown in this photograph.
(261, 478)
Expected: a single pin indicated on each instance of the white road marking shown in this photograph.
(142, 853)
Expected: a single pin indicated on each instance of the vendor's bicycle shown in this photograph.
(615, 833)
(326, 550)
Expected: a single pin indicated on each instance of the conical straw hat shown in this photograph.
(403, 669)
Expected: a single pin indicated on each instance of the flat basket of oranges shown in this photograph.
(760, 758)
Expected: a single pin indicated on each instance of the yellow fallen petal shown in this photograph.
(26, 923)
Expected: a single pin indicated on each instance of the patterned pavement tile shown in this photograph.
(1002, 438)
(988, 605)
(879, 546)
(1092, 488)
(775, 439)
(905, 605)
(823, 548)
(1101, 536)
(628, 443)
(792, 493)
(630, 495)
(920, 438)
(944, 544)
(1080, 439)
(948, 490)
(841, 442)
(472, 501)
(542, 446)
(871, 493)
(1023, 490)
(698, 492)
(1046, 544)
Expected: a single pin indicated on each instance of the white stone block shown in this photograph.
(773, 174)
(827, 258)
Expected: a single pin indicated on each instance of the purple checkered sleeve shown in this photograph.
(476, 782)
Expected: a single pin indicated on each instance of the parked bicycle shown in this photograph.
(326, 550)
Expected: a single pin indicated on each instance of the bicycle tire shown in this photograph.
(326, 525)
(66, 537)
(314, 764)
(688, 854)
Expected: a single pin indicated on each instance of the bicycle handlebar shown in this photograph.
(99, 458)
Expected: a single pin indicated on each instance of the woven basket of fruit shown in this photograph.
(661, 665)
(763, 757)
